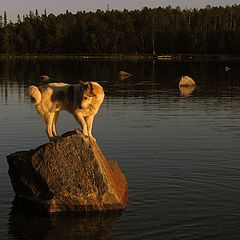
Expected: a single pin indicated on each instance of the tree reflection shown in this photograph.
(149, 80)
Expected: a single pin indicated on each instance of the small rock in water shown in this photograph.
(227, 69)
(186, 81)
(124, 75)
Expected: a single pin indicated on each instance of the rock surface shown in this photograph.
(70, 174)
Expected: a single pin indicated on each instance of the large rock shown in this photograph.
(69, 174)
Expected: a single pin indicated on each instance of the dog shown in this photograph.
(82, 100)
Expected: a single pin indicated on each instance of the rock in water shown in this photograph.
(186, 91)
(70, 174)
(124, 75)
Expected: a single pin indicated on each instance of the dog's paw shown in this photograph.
(85, 134)
(93, 138)
(51, 139)
(54, 138)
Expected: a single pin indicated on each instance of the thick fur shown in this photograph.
(82, 100)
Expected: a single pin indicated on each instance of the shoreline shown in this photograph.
(129, 57)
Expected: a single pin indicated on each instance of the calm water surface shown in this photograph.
(180, 152)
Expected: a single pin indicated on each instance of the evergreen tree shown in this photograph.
(5, 18)
(212, 30)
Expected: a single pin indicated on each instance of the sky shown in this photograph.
(22, 7)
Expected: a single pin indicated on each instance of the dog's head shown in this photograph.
(87, 94)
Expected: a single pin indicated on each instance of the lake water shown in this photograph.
(179, 152)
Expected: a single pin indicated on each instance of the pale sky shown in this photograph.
(22, 7)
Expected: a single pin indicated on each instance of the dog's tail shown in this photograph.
(34, 93)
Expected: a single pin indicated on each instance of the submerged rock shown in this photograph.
(70, 174)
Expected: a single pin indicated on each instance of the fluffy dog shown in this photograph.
(82, 100)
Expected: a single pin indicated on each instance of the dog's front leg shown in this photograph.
(79, 117)
(89, 121)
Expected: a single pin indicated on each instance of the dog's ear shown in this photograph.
(90, 86)
(83, 83)
(91, 89)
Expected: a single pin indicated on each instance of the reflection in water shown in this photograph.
(149, 77)
(186, 91)
(180, 154)
(57, 227)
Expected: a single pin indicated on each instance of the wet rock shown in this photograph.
(70, 174)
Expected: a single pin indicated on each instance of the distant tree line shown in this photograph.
(211, 30)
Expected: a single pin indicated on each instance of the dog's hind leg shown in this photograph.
(48, 120)
(54, 130)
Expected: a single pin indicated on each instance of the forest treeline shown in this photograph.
(211, 30)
